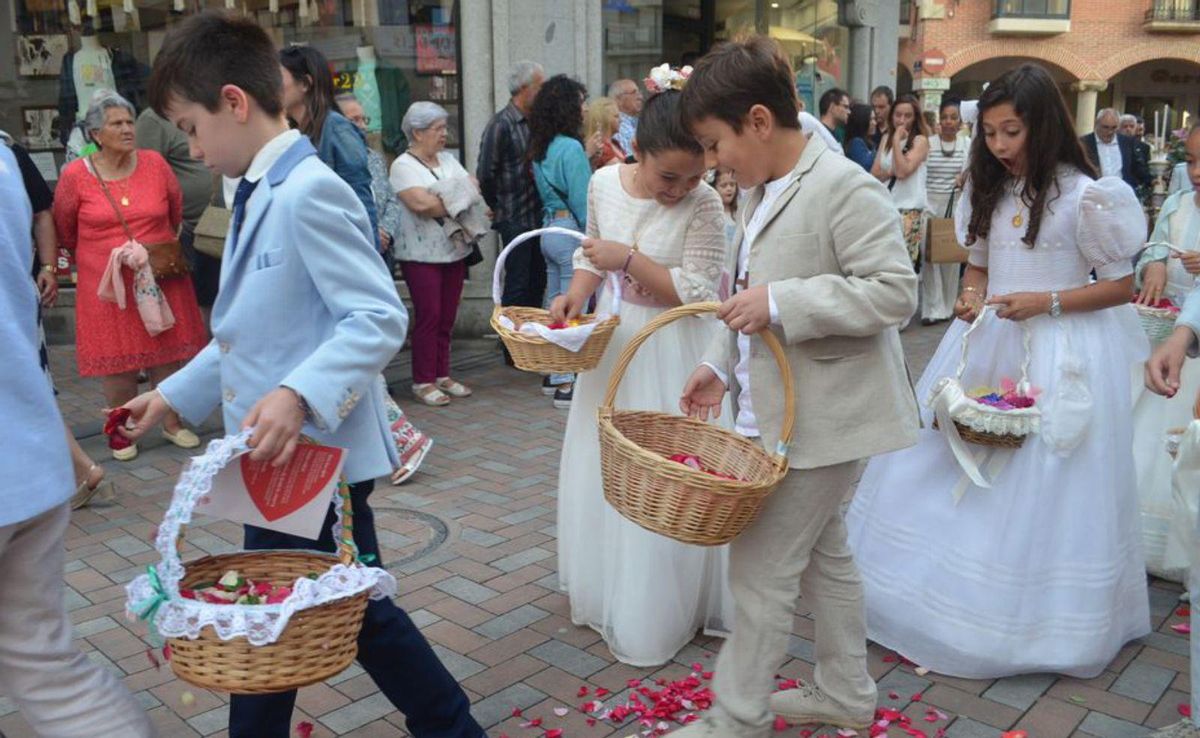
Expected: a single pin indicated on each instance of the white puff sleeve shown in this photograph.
(978, 251)
(1110, 228)
(591, 230)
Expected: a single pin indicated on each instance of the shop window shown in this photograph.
(388, 52)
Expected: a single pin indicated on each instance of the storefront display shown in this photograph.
(387, 52)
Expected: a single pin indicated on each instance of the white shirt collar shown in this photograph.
(1114, 143)
(269, 154)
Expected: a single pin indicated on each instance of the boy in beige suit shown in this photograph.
(822, 263)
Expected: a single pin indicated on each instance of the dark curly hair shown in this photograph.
(1049, 141)
(557, 111)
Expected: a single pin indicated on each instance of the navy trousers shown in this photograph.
(390, 648)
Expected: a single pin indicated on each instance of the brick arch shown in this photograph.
(1149, 51)
(1016, 47)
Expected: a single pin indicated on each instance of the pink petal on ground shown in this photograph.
(1182, 628)
(1184, 709)
(780, 725)
(304, 729)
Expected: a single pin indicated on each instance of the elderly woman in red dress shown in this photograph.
(111, 342)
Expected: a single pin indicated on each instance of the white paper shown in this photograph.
(257, 494)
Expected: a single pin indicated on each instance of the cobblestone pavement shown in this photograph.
(471, 540)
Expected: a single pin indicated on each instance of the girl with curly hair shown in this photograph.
(561, 170)
(1042, 572)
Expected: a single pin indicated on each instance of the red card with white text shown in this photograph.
(291, 499)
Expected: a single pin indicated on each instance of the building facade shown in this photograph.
(1138, 56)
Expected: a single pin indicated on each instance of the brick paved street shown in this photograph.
(471, 540)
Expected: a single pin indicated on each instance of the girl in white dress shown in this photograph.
(662, 230)
(1043, 572)
(1162, 274)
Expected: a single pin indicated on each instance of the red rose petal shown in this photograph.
(917, 697)
(516, 712)
(583, 692)
(602, 692)
(1183, 611)
(780, 725)
(554, 733)
(1185, 709)
(304, 729)
(1182, 628)
(153, 659)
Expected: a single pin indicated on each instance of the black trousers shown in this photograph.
(390, 648)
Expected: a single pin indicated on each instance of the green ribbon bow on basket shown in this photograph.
(147, 609)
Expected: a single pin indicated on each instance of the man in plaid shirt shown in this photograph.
(506, 179)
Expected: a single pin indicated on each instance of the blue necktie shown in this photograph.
(244, 189)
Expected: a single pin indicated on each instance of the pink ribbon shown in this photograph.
(152, 305)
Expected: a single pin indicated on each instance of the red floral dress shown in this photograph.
(109, 340)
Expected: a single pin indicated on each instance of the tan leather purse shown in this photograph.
(211, 230)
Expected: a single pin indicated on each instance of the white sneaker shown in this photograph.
(807, 704)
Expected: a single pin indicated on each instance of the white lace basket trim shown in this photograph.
(982, 418)
(259, 624)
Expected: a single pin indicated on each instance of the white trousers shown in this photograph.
(796, 546)
(58, 690)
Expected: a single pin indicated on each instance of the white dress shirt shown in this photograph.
(746, 423)
(259, 165)
(810, 123)
(1110, 157)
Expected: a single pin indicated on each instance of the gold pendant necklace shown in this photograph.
(1018, 219)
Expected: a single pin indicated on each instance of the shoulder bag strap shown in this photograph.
(104, 187)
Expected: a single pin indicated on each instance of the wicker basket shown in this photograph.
(978, 436)
(534, 353)
(318, 641)
(672, 499)
(1158, 323)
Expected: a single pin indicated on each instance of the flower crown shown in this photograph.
(663, 78)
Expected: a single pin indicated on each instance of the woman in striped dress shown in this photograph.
(946, 163)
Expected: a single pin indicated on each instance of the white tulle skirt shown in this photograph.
(1043, 572)
(646, 594)
(1164, 542)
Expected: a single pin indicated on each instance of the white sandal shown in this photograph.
(430, 395)
(453, 387)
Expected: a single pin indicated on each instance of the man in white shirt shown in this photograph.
(1114, 154)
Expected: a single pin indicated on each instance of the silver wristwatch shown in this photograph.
(1055, 305)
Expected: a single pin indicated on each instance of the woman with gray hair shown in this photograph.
(103, 201)
(432, 263)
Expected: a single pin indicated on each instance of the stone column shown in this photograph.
(1085, 107)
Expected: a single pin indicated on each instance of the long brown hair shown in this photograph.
(920, 127)
(309, 66)
(1049, 141)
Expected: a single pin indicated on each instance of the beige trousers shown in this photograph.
(58, 690)
(796, 546)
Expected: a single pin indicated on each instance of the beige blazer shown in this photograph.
(838, 269)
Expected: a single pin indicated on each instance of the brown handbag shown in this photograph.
(166, 259)
(943, 240)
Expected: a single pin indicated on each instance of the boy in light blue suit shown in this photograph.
(303, 324)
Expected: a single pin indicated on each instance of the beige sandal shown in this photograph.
(430, 395)
(85, 493)
(453, 387)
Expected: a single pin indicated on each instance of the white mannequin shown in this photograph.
(91, 71)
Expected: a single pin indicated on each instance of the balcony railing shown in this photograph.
(1038, 9)
(1163, 14)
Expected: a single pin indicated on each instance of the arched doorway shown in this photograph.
(1161, 85)
(968, 82)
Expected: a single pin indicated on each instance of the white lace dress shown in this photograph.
(646, 594)
(1043, 572)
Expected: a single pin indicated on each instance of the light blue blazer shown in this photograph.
(304, 304)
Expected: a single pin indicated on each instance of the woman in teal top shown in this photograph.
(561, 170)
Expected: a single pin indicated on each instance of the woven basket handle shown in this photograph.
(199, 474)
(701, 308)
(498, 274)
(1026, 343)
